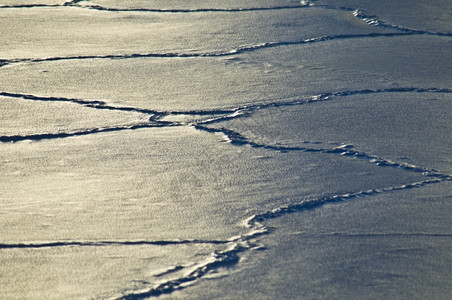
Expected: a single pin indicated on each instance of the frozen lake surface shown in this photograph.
(225, 149)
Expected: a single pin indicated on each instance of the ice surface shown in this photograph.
(91, 270)
(233, 149)
(422, 15)
(130, 182)
(172, 84)
(381, 247)
(22, 118)
(123, 187)
(72, 31)
(195, 5)
(386, 124)
(13, 3)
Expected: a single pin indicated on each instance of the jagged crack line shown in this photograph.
(60, 135)
(246, 109)
(242, 243)
(369, 19)
(388, 90)
(218, 260)
(75, 3)
(30, 5)
(237, 51)
(226, 114)
(256, 220)
(169, 271)
(237, 139)
(345, 150)
(234, 110)
(375, 21)
(373, 235)
(55, 99)
(37, 5)
(87, 103)
(222, 118)
(109, 243)
(231, 257)
(194, 10)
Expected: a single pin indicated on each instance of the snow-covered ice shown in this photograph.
(259, 149)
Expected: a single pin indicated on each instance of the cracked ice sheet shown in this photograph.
(408, 127)
(273, 74)
(71, 31)
(156, 184)
(386, 246)
(74, 272)
(422, 15)
(19, 117)
(160, 184)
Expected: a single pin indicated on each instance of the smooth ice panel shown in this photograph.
(411, 127)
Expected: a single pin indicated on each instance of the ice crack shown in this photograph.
(109, 243)
(242, 243)
(87, 5)
(236, 51)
